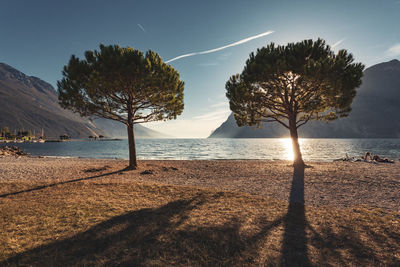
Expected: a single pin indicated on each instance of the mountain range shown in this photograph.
(29, 103)
(375, 112)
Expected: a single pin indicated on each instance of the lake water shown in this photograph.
(184, 149)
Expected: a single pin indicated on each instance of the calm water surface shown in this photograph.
(183, 149)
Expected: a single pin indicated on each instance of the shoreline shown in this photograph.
(315, 151)
(289, 162)
(353, 159)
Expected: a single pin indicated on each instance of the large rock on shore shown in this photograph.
(11, 151)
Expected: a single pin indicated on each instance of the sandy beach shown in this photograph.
(336, 184)
(76, 212)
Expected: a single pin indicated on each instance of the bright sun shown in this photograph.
(288, 149)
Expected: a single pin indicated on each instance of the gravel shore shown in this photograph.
(337, 184)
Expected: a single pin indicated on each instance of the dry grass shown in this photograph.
(111, 221)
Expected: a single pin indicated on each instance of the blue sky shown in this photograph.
(38, 38)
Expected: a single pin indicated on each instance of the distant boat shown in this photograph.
(41, 141)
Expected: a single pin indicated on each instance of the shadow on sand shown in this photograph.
(160, 236)
(155, 237)
(329, 243)
(294, 247)
(60, 183)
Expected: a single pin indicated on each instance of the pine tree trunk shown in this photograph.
(298, 158)
(132, 147)
(131, 137)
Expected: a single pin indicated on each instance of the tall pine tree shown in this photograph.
(122, 84)
(294, 84)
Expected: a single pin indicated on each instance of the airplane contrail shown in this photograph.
(338, 43)
(222, 47)
(141, 27)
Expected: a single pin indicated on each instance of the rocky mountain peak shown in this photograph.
(8, 73)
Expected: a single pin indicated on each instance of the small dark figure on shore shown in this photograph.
(379, 159)
(367, 157)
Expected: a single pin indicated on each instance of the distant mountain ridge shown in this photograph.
(117, 129)
(29, 103)
(375, 112)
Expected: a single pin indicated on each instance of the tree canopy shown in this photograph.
(124, 85)
(294, 84)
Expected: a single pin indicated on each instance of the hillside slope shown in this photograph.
(29, 103)
(117, 129)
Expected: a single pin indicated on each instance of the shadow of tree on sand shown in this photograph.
(161, 236)
(294, 247)
(40, 187)
(362, 246)
(151, 237)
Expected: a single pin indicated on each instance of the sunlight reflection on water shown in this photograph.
(268, 148)
(287, 144)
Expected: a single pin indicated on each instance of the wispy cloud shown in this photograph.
(141, 27)
(222, 47)
(214, 115)
(338, 42)
(394, 50)
(220, 104)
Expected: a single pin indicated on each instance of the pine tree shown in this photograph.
(294, 84)
(122, 84)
